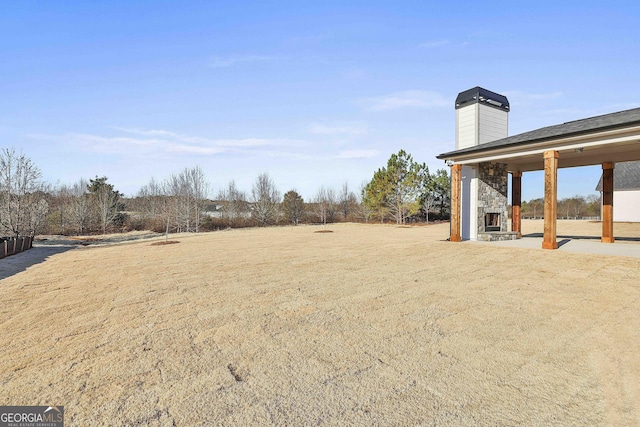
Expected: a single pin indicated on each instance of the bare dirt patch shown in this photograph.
(103, 239)
(165, 242)
(375, 326)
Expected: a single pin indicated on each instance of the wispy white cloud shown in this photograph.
(192, 149)
(166, 135)
(287, 155)
(229, 61)
(198, 144)
(405, 99)
(246, 142)
(173, 142)
(119, 140)
(357, 154)
(103, 144)
(148, 132)
(156, 142)
(352, 129)
(229, 143)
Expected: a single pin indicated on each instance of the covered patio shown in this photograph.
(602, 140)
(576, 237)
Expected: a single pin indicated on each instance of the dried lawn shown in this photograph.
(368, 325)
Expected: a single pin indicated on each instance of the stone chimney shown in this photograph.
(481, 117)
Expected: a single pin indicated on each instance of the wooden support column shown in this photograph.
(550, 199)
(607, 203)
(516, 203)
(456, 181)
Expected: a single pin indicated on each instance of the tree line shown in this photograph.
(575, 207)
(182, 202)
(403, 191)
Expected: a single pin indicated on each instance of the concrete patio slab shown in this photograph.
(577, 245)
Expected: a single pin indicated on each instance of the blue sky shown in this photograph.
(314, 94)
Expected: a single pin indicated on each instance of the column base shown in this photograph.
(608, 240)
(549, 245)
(455, 239)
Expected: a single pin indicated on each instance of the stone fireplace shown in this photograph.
(492, 210)
(482, 117)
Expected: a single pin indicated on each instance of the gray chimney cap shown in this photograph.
(482, 96)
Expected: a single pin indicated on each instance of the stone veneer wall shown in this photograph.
(492, 193)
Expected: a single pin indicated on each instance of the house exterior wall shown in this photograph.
(626, 205)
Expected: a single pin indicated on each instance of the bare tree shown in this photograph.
(79, 207)
(199, 192)
(58, 210)
(176, 197)
(593, 205)
(164, 207)
(332, 204)
(180, 199)
(148, 199)
(321, 204)
(428, 191)
(178, 202)
(326, 204)
(533, 207)
(70, 208)
(234, 204)
(579, 205)
(153, 204)
(348, 201)
(188, 192)
(428, 204)
(23, 207)
(265, 199)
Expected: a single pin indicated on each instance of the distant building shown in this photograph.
(626, 191)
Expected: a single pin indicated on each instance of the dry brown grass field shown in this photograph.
(366, 325)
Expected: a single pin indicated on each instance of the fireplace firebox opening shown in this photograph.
(491, 222)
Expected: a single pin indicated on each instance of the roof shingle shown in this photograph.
(576, 127)
(626, 176)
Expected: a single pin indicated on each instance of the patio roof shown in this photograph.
(611, 137)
